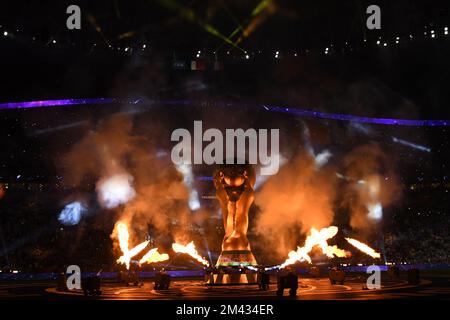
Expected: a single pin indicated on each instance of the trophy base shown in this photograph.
(230, 276)
(236, 258)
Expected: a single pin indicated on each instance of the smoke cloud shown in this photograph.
(147, 192)
(130, 175)
(375, 184)
(297, 198)
(304, 195)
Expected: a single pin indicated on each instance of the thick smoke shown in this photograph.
(374, 184)
(299, 197)
(131, 176)
(305, 195)
(101, 153)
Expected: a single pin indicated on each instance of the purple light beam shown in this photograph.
(290, 110)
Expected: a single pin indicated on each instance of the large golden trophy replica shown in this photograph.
(234, 190)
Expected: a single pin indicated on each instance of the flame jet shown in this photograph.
(153, 256)
(364, 248)
(190, 250)
(316, 239)
(124, 238)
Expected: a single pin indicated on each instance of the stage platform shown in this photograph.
(309, 289)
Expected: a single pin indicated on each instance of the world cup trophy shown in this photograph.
(234, 190)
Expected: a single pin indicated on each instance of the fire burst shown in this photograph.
(190, 250)
(316, 239)
(124, 237)
(364, 248)
(153, 256)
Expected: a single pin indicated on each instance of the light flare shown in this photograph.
(375, 211)
(374, 207)
(71, 214)
(115, 190)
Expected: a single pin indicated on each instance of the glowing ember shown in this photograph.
(190, 250)
(363, 247)
(124, 237)
(154, 256)
(316, 239)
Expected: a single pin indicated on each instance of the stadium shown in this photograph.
(99, 202)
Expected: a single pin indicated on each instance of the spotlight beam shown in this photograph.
(278, 109)
(353, 118)
(189, 15)
(93, 21)
(235, 31)
(259, 15)
(54, 103)
(411, 144)
(258, 9)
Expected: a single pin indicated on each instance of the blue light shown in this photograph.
(71, 214)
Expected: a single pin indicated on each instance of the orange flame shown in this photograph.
(190, 250)
(316, 239)
(363, 247)
(124, 237)
(153, 256)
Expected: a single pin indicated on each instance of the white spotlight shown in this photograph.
(115, 190)
(72, 213)
(375, 211)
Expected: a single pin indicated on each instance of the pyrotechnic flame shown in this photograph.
(153, 256)
(124, 237)
(363, 247)
(190, 250)
(316, 239)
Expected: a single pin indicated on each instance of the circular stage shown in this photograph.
(309, 289)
